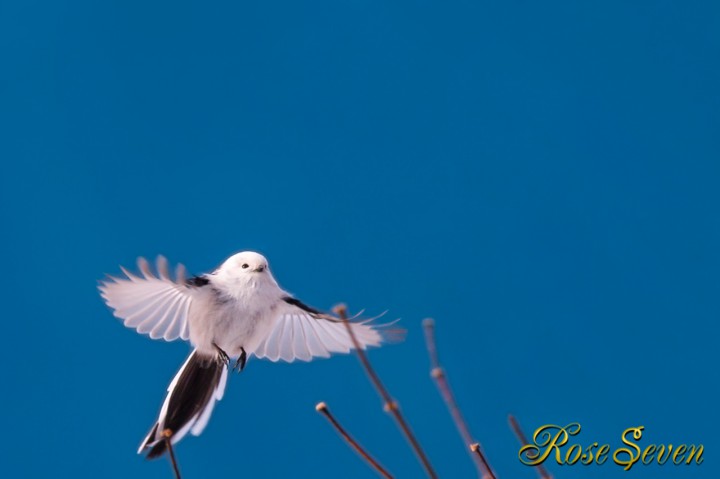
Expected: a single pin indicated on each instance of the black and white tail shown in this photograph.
(189, 402)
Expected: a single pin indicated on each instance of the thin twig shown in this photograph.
(390, 405)
(167, 434)
(478, 453)
(515, 426)
(438, 374)
(322, 408)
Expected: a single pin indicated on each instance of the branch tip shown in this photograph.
(522, 439)
(167, 436)
(390, 405)
(341, 310)
(438, 374)
(322, 407)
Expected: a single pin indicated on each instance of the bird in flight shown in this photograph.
(235, 312)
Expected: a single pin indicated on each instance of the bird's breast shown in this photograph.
(232, 323)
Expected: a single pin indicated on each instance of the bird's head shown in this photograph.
(247, 266)
(247, 262)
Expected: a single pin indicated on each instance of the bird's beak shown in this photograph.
(260, 269)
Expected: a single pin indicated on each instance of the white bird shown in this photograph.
(236, 311)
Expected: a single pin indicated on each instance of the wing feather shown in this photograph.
(153, 317)
(150, 304)
(163, 325)
(287, 348)
(272, 345)
(325, 337)
(300, 344)
(301, 334)
(317, 348)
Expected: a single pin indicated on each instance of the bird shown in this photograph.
(235, 312)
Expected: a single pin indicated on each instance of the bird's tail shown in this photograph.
(189, 403)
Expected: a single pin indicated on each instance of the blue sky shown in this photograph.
(541, 178)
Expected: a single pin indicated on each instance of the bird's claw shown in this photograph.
(240, 363)
(222, 355)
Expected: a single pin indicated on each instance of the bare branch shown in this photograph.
(390, 405)
(322, 408)
(478, 453)
(515, 426)
(438, 374)
(167, 434)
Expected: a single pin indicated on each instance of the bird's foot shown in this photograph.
(240, 363)
(222, 355)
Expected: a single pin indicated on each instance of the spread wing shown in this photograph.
(154, 305)
(301, 332)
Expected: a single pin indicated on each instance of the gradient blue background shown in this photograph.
(540, 177)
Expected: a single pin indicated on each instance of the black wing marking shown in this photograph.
(197, 281)
(301, 305)
(315, 313)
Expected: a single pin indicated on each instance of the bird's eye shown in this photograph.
(245, 266)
